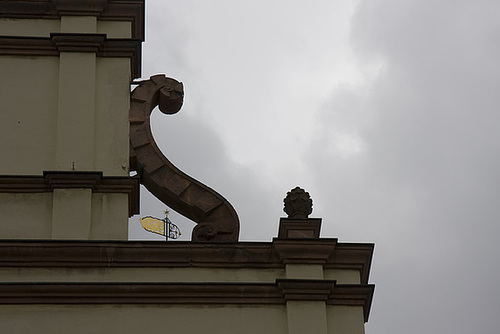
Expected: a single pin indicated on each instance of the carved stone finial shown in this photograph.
(298, 204)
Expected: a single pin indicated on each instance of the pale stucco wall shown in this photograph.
(306, 317)
(343, 276)
(61, 215)
(316, 271)
(111, 120)
(109, 217)
(295, 317)
(115, 29)
(25, 216)
(310, 271)
(195, 319)
(66, 113)
(197, 275)
(29, 114)
(77, 119)
(154, 275)
(29, 27)
(345, 319)
(134, 319)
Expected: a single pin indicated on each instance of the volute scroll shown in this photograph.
(216, 219)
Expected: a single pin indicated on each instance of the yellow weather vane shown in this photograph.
(163, 227)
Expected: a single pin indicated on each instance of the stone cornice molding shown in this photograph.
(280, 292)
(354, 256)
(73, 42)
(59, 42)
(150, 254)
(74, 180)
(353, 295)
(312, 251)
(300, 289)
(110, 10)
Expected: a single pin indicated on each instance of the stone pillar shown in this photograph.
(303, 314)
(75, 139)
(76, 111)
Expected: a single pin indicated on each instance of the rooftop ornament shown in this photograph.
(163, 227)
(298, 225)
(298, 204)
(216, 219)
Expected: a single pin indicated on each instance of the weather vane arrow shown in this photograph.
(163, 227)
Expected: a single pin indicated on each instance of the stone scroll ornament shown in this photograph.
(216, 218)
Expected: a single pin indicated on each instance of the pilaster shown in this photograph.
(306, 317)
(76, 111)
(71, 214)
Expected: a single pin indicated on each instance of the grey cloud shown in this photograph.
(429, 178)
(424, 185)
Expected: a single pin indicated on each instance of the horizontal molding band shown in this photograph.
(74, 180)
(280, 292)
(180, 254)
(106, 10)
(59, 42)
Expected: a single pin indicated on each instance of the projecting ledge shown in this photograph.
(73, 180)
(280, 292)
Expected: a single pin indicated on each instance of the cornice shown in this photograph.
(64, 42)
(280, 292)
(312, 251)
(71, 180)
(110, 10)
(180, 254)
(354, 256)
(353, 295)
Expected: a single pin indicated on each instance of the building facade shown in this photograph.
(71, 131)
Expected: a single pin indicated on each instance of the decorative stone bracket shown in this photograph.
(216, 218)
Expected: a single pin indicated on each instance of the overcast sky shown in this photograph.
(386, 112)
